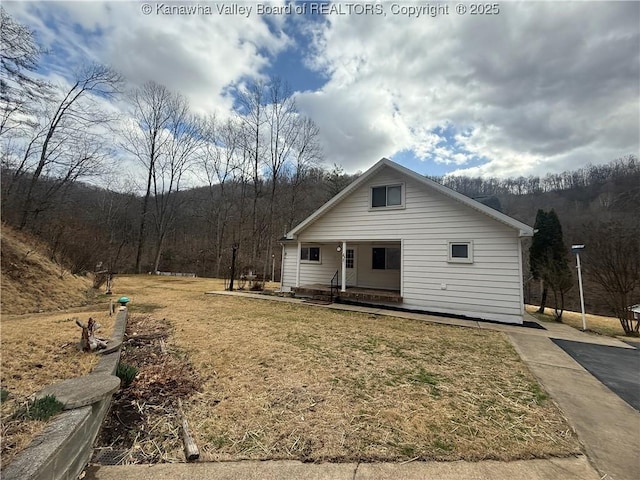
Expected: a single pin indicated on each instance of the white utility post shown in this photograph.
(576, 249)
(273, 267)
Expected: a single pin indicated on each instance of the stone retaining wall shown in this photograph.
(65, 446)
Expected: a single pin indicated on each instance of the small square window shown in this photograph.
(460, 252)
(310, 254)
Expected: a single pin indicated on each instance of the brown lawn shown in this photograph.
(38, 350)
(602, 325)
(289, 381)
(295, 381)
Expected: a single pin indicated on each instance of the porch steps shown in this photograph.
(321, 293)
(313, 294)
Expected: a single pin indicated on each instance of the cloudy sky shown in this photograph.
(525, 88)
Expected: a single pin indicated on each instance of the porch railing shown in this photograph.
(334, 280)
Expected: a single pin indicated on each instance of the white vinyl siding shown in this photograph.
(311, 272)
(490, 287)
(289, 266)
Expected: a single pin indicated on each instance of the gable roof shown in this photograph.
(523, 229)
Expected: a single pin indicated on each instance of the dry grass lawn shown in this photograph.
(609, 326)
(38, 350)
(285, 381)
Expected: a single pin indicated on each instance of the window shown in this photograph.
(386, 196)
(461, 252)
(385, 258)
(349, 258)
(310, 254)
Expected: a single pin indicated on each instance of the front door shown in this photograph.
(351, 264)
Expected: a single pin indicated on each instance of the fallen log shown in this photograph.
(191, 451)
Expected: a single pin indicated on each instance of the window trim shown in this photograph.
(467, 259)
(387, 207)
(309, 247)
(386, 258)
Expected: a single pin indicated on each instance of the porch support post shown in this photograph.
(344, 266)
(298, 264)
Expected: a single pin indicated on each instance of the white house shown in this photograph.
(427, 246)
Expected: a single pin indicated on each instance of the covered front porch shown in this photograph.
(368, 271)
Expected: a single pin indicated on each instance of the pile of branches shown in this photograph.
(145, 418)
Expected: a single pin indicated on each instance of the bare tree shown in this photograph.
(183, 142)
(283, 124)
(611, 259)
(251, 113)
(146, 139)
(222, 170)
(277, 139)
(19, 88)
(67, 144)
(307, 154)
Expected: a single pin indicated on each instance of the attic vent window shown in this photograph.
(386, 196)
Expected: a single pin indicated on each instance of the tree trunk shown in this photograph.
(143, 218)
(543, 300)
(156, 261)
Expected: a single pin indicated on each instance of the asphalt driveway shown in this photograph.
(617, 368)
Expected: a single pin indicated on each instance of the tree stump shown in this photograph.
(88, 340)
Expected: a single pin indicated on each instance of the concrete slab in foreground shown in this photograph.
(572, 468)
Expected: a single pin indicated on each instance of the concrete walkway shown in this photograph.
(608, 427)
(553, 469)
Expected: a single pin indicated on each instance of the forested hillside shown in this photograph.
(88, 225)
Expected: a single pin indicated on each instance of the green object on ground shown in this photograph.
(123, 301)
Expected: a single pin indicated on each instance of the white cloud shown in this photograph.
(541, 86)
(197, 55)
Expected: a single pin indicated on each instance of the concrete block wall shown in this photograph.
(64, 448)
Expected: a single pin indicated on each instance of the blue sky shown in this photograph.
(535, 87)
